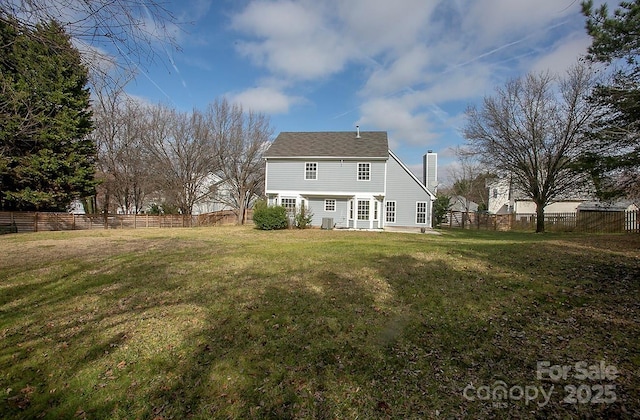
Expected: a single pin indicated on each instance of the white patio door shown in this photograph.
(351, 213)
(363, 214)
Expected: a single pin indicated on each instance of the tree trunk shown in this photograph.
(539, 218)
(242, 206)
(241, 212)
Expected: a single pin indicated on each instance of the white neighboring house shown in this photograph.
(505, 199)
(215, 193)
(349, 178)
(460, 203)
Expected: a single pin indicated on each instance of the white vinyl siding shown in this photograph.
(405, 189)
(337, 176)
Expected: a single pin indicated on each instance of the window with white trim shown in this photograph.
(364, 171)
(289, 204)
(390, 212)
(363, 209)
(310, 171)
(421, 212)
(330, 204)
(375, 210)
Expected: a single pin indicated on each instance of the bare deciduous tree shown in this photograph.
(123, 161)
(533, 129)
(132, 29)
(183, 152)
(242, 137)
(468, 180)
(179, 156)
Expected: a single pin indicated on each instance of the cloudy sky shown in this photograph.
(408, 67)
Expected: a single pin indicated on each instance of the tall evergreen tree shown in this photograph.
(46, 156)
(614, 156)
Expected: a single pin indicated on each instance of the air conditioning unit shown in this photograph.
(327, 223)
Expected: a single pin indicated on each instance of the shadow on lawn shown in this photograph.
(403, 339)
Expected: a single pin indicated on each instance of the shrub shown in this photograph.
(269, 217)
(303, 218)
(440, 208)
(164, 208)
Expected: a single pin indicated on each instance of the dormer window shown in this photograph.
(310, 171)
(364, 171)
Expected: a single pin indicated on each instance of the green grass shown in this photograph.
(239, 323)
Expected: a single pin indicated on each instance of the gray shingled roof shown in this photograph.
(371, 144)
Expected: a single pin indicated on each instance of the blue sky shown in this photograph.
(408, 67)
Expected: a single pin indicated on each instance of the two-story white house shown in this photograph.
(350, 177)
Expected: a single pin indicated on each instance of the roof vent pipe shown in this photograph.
(357, 131)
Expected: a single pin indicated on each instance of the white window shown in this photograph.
(310, 171)
(364, 171)
(390, 215)
(363, 209)
(289, 204)
(375, 210)
(421, 212)
(329, 204)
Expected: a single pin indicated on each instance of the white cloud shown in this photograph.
(459, 86)
(398, 116)
(281, 20)
(563, 55)
(411, 57)
(491, 20)
(293, 39)
(377, 26)
(265, 100)
(407, 70)
(308, 40)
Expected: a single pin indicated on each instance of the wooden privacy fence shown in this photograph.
(581, 221)
(44, 221)
(474, 220)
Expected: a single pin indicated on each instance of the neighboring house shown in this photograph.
(350, 177)
(215, 196)
(460, 203)
(504, 199)
(617, 206)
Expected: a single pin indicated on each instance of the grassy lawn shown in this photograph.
(237, 323)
